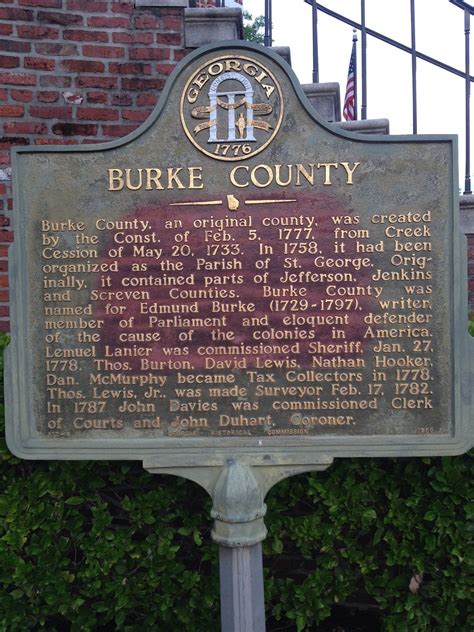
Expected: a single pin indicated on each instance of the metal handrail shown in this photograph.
(415, 55)
(468, 9)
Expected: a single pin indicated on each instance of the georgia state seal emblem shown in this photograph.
(231, 107)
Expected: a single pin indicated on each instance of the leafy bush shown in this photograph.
(106, 546)
(254, 28)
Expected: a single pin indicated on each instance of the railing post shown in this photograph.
(315, 43)
(467, 33)
(267, 39)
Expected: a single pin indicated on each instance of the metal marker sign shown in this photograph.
(238, 278)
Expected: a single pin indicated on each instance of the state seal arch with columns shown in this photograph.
(231, 107)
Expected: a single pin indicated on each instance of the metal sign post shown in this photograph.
(238, 492)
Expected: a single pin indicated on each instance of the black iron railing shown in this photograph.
(466, 6)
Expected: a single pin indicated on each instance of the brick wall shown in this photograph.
(77, 71)
(81, 71)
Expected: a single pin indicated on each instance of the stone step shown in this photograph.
(205, 26)
(324, 97)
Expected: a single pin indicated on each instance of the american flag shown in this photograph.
(349, 111)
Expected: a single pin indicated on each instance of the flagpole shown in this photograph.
(349, 110)
(413, 68)
(363, 109)
(354, 46)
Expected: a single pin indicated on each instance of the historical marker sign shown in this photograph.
(237, 277)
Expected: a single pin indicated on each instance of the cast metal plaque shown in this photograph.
(238, 277)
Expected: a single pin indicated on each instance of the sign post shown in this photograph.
(235, 293)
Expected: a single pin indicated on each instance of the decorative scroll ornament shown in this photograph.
(238, 101)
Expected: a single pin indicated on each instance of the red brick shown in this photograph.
(149, 53)
(178, 54)
(56, 141)
(98, 97)
(25, 96)
(96, 82)
(17, 15)
(8, 61)
(7, 142)
(47, 81)
(86, 36)
(3, 94)
(123, 7)
(73, 98)
(14, 46)
(4, 326)
(4, 296)
(50, 111)
(130, 68)
(89, 6)
(6, 236)
(5, 310)
(6, 29)
(83, 65)
(114, 52)
(12, 110)
(171, 23)
(23, 127)
(37, 63)
(165, 69)
(56, 49)
(147, 21)
(4, 158)
(74, 129)
(132, 38)
(29, 31)
(97, 114)
(106, 22)
(137, 83)
(47, 96)
(53, 17)
(147, 99)
(49, 4)
(136, 115)
(121, 99)
(118, 130)
(171, 39)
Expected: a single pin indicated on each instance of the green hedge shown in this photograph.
(106, 546)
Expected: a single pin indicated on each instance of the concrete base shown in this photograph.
(205, 26)
(369, 126)
(283, 51)
(325, 99)
(466, 203)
